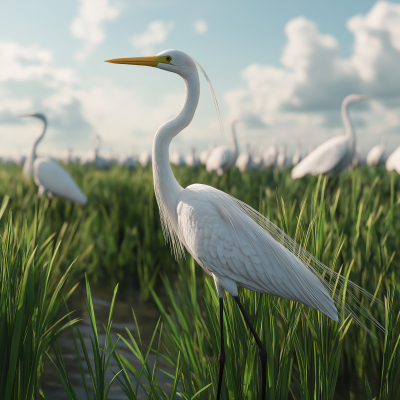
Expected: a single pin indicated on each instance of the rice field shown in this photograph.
(350, 223)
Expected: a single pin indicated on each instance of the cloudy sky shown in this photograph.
(282, 67)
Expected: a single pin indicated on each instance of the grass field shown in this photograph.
(351, 223)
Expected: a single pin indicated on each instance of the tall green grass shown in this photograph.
(30, 304)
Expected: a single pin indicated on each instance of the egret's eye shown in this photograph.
(169, 58)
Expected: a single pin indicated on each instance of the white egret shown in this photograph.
(127, 161)
(205, 153)
(50, 177)
(297, 156)
(282, 160)
(222, 158)
(92, 156)
(270, 155)
(336, 154)
(144, 158)
(177, 159)
(231, 241)
(393, 161)
(377, 155)
(191, 158)
(244, 160)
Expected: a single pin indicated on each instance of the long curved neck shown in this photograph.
(166, 186)
(348, 126)
(33, 151)
(234, 138)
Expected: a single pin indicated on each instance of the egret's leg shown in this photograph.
(221, 355)
(261, 349)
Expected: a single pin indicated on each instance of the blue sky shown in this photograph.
(271, 64)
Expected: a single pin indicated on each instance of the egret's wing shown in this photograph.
(55, 179)
(233, 240)
(375, 155)
(323, 159)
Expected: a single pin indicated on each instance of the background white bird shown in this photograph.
(229, 240)
(393, 161)
(191, 159)
(144, 158)
(177, 159)
(223, 158)
(244, 160)
(51, 178)
(205, 153)
(127, 161)
(298, 155)
(282, 160)
(377, 155)
(270, 155)
(336, 154)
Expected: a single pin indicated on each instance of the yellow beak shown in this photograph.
(26, 115)
(147, 61)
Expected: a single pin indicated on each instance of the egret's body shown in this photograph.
(377, 155)
(335, 155)
(393, 161)
(230, 241)
(50, 177)
(223, 158)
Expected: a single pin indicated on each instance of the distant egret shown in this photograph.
(244, 160)
(223, 158)
(377, 155)
(393, 161)
(205, 153)
(177, 159)
(231, 241)
(298, 155)
(92, 156)
(49, 176)
(191, 159)
(127, 162)
(282, 160)
(270, 155)
(335, 155)
(144, 158)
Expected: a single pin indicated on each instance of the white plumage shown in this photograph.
(54, 180)
(270, 155)
(191, 159)
(336, 154)
(205, 153)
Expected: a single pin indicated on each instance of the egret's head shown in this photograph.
(354, 98)
(36, 115)
(169, 60)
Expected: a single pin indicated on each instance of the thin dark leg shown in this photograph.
(221, 355)
(261, 349)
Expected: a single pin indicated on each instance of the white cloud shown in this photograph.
(156, 33)
(201, 27)
(87, 25)
(314, 79)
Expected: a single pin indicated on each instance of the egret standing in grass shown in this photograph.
(229, 240)
(377, 155)
(49, 176)
(335, 155)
